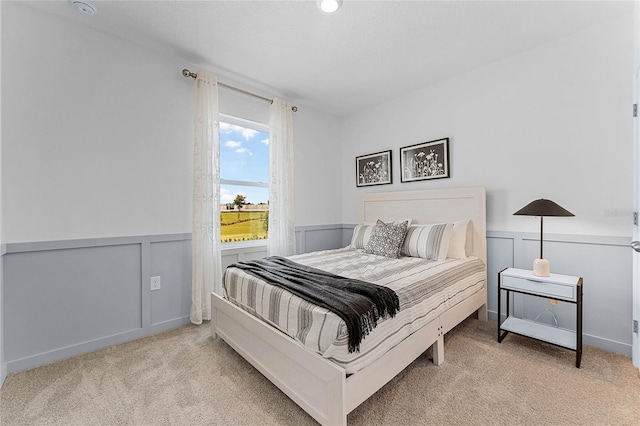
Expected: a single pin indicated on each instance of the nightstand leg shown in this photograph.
(499, 300)
(579, 325)
(501, 335)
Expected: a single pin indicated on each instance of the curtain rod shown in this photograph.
(187, 73)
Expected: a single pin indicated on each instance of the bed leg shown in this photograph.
(214, 313)
(482, 313)
(438, 350)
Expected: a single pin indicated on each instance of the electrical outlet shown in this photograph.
(155, 283)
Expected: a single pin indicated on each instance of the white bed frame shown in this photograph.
(317, 385)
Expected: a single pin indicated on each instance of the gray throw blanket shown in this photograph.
(360, 304)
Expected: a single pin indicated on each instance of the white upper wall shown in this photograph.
(552, 122)
(97, 136)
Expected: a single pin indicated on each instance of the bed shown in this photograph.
(322, 383)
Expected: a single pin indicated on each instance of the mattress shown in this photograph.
(425, 288)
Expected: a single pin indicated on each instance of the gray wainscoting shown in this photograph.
(232, 254)
(308, 238)
(320, 237)
(604, 263)
(3, 364)
(64, 298)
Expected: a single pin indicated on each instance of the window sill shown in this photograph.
(236, 245)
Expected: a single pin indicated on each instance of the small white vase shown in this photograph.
(541, 267)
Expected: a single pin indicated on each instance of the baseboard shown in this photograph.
(90, 346)
(3, 373)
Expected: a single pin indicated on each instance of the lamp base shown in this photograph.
(541, 267)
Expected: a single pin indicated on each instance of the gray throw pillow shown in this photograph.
(386, 239)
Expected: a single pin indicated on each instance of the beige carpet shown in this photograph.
(183, 377)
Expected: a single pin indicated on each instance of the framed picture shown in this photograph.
(424, 161)
(373, 169)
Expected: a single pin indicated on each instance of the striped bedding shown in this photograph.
(425, 288)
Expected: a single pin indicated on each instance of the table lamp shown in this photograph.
(542, 208)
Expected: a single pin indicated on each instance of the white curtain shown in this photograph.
(282, 236)
(206, 261)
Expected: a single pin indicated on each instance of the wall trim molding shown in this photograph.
(31, 246)
(606, 240)
(92, 242)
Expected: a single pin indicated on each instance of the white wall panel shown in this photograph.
(98, 136)
(98, 141)
(551, 122)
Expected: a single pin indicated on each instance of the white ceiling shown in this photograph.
(362, 55)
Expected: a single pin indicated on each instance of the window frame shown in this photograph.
(237, 121)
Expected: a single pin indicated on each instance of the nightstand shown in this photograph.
(558, 287)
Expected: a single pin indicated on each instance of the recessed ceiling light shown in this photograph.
(84, 7)
(329, 6)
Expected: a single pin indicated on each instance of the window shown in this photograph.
(244, 180)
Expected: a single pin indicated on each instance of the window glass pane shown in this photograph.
(244, 153)
(243, 219)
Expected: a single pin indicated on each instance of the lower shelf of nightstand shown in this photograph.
(546, 333)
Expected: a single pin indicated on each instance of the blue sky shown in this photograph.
(244, 155)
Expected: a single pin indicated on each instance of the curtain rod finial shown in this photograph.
(187, 73)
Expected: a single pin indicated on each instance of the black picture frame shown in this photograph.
(425, 161)
(374, 169)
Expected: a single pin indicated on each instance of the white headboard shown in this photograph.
(433, 206)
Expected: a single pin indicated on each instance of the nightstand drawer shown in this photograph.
(531, 285)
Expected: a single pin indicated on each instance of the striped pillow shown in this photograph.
(361, 236)
(427, 241)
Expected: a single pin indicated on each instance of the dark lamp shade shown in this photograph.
(543, 207)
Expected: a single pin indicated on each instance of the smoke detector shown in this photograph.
(84, 7)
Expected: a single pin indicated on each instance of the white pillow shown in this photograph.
(427, 241)
(458, 240)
